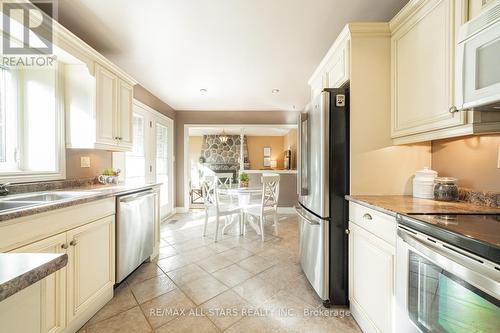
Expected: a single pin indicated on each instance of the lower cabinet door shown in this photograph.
(91, 264)
(52, 288)
(371, 275)
(21, 311)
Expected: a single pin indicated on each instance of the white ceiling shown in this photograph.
(239, 50)
(250, 131)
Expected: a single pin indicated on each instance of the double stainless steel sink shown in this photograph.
(37, 199)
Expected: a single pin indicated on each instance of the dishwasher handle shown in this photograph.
(137, 195)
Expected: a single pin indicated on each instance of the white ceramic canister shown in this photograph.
(423, 183)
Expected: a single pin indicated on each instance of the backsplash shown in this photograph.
(51, 185)
(473, 160)
(487, 199)
(99, 160)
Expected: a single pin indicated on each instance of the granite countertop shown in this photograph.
(20, 270)
(402, 204)
(88, 193)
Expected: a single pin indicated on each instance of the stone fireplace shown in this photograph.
(223, 157)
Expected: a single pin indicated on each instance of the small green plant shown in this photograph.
(111, 172)
(244, 177)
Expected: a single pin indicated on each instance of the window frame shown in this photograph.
(60, 149)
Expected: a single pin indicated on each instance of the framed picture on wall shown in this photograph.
(267, 162)
(267, 151)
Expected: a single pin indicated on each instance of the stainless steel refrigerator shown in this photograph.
(323, 182)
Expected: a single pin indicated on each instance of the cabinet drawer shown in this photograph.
(379, 224)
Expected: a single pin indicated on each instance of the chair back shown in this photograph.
(224, 179)
(209, 189)
(270, 190)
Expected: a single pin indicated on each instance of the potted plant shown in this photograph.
(244, 179)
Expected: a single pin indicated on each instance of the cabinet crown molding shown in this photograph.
(67, 45)
(405, 13)
(353, 29)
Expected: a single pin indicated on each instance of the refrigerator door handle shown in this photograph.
(312, 220)
(303, 154)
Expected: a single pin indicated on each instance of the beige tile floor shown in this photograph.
(238, 284)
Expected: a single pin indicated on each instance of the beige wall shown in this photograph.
(195, 143)
(473, 160)
(288, 188)
(377, 167)
(144, 96)
(256, 146)
(218, 117)
(99, 160)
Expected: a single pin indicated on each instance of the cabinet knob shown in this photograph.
(367, 217)
(453, 109)
(73, 242)
(64, 246)
(347, 231)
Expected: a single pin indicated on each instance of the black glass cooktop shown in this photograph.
(479, 234)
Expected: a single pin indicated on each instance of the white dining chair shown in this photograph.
(214, 207)
(268, 205)
(225, 180)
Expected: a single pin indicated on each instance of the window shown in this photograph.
(151, 158)
(30, 125)
(135, 161)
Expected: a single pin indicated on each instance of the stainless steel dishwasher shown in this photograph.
(135, 222)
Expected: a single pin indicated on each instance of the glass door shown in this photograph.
(135, 160)
(151, 158)
(163, 165)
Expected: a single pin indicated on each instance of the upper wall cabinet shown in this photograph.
(333, 71)
(422, 46)
(423, 74)
(98, 109)
(97, 94)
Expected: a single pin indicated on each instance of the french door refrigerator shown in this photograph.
(323, 182)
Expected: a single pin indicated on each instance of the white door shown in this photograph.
(151, 159)
(163, 172)
(136, 161)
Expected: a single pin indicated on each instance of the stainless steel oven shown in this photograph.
(441, 288)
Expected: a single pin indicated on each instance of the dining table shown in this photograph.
(244, 199)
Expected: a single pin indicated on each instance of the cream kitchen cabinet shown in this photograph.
(423, 56)
(422, 60)
(98, 108)
(333, 71)
(371, 268)
(91, 264)
(21, 311)
(52, 289)
(86, 233)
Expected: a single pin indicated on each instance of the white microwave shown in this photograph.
(478, 61)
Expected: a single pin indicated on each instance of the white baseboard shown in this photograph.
(286, 210)
(180, 210)
(281, 210)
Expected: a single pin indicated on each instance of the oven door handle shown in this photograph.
(467, 268)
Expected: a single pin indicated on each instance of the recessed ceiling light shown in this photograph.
(275, 91)
(203, 90)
